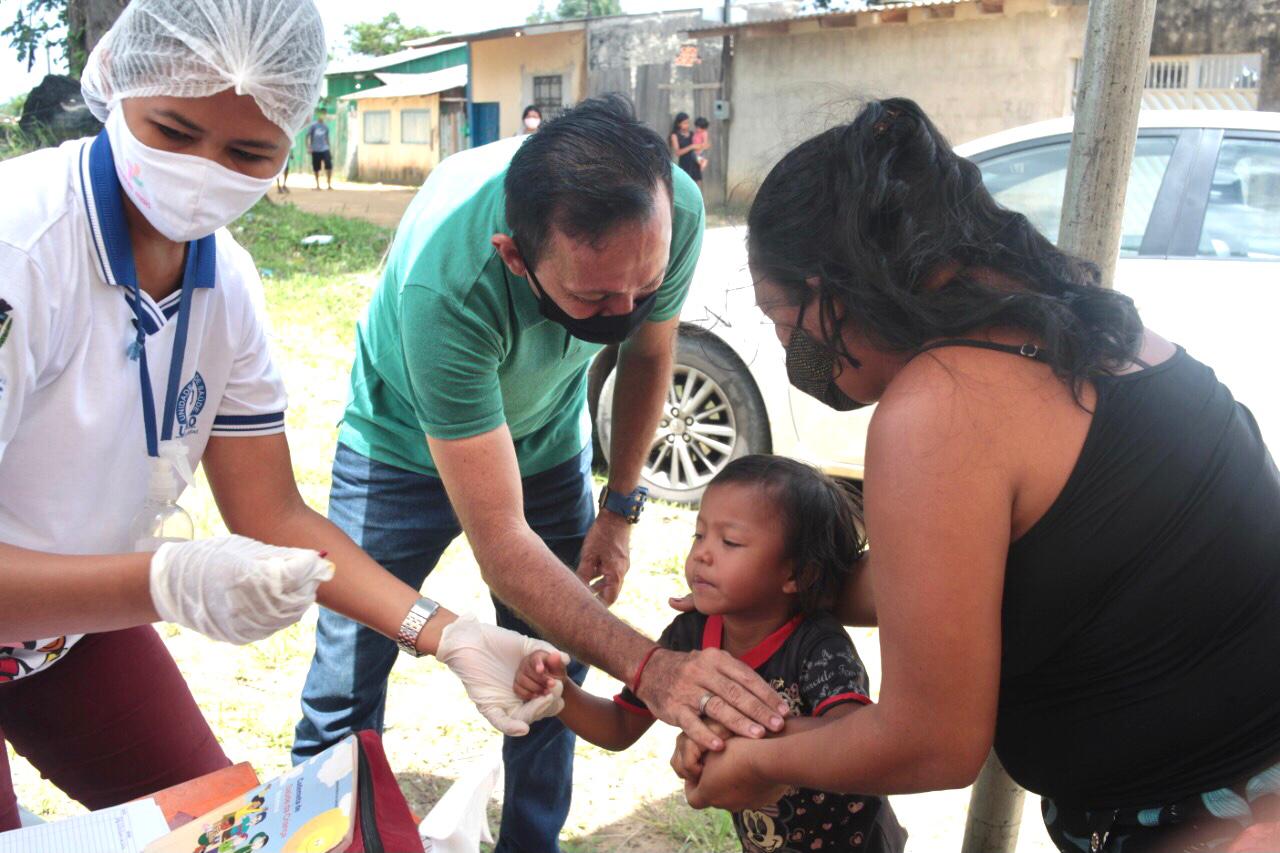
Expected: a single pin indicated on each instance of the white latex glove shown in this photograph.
(235, 589)
(485, 658)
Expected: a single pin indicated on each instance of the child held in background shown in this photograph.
(774, 540)
(702, 138)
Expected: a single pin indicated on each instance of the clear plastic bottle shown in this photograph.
(161, 520)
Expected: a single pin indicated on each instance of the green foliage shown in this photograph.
(380, 38)
(46, 23)
(14, 141)
(569, 9)
(13, 107)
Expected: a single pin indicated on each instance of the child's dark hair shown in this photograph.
(701, 121)
(823, 522)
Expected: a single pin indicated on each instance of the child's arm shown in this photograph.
(600, 721)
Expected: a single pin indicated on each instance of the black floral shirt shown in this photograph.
(812, 662)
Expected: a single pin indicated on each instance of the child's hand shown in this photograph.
(538, 674)
(689, 757)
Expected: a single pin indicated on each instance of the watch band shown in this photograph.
(414, 621)
(628, 506)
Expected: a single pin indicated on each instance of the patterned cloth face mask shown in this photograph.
(811, 368)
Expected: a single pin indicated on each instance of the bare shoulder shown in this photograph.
(949, 403)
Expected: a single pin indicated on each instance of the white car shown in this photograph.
(1200, 255)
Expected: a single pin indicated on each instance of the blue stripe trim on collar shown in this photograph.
(114, 227)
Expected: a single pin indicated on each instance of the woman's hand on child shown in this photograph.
(486, 659)
(686, 761)
(732, 779)
(539, 674)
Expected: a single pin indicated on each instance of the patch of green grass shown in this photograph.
(272, 232)
(14, 141)
(691, 831)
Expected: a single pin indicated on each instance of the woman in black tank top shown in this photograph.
(1073, 526)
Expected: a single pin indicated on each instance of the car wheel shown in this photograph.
(713, 414)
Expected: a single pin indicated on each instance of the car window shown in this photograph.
(1033, 180)
(1242, 219)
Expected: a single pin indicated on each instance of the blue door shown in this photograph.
(484, 123)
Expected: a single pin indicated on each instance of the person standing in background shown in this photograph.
(318, 148)
(683, 148)
(530, 121)
(701, 138)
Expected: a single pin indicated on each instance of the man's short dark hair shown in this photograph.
(591, 169)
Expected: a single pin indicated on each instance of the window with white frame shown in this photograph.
(377, 127)
(415, 127)
(548, 95)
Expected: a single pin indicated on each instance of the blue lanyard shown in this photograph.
(138, 351)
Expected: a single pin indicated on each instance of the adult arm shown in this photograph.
(253, 484)
(48, 595)
(643, 376)
(939, 497)
(482, 478)
(677, 150)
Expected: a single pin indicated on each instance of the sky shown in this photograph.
(434, 14)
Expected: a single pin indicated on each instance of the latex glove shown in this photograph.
(485, 658)
(233, 588)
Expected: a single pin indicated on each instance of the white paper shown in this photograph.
(459, 822)
(122, 829)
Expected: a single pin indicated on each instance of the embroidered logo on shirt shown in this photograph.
(6, 322)
(190, 404)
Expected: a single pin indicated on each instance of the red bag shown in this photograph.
(384, 823)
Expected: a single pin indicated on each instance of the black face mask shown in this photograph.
(811, 368)
(596, 330)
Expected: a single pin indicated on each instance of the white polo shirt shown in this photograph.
(73, 457)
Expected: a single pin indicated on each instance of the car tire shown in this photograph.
(713, 414)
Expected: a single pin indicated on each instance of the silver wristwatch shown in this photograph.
(410, 629)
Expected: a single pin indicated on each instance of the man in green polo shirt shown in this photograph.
(513, 266)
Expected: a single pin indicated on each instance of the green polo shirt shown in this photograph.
(453, 345)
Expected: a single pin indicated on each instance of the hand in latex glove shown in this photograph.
(235, 589)
(486, 659)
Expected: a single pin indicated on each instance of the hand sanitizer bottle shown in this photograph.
(161, 520)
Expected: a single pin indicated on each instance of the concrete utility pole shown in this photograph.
(1113, 69)
(1112, 72)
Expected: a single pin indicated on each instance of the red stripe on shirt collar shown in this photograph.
(713, 636)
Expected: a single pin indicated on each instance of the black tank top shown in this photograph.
(1140, 656)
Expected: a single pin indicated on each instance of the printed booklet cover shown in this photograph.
(310, 809)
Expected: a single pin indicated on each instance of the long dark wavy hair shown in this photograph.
(872, 208)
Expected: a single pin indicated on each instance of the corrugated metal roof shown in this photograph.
(851, 9)
(413, 85)
(366, 64)
(545, 28)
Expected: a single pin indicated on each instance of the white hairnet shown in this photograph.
(273, 50)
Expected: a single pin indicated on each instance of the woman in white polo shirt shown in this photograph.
(131, 349)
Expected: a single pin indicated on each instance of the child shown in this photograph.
(774, 540)
(701, 137)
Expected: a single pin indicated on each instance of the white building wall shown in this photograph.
(974, 73)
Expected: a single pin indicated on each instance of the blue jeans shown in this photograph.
(404, 521)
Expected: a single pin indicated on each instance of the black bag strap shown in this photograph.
(1027, 350)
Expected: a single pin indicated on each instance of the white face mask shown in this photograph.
(182, 196)
(532, 122)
